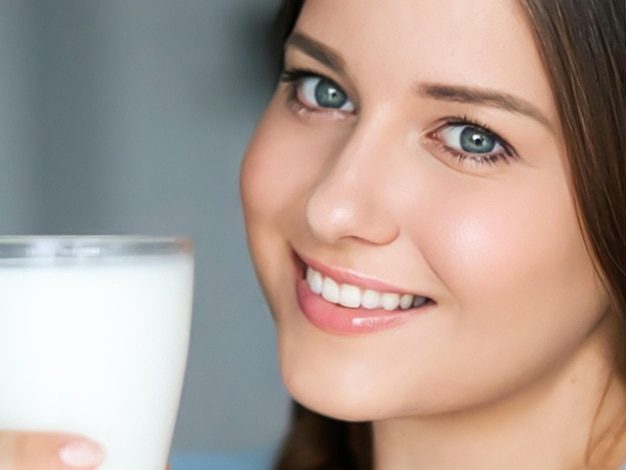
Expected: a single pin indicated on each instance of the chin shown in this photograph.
(318, 389)
(348, 393)
(350, 410)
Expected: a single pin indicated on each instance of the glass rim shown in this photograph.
(14, 247)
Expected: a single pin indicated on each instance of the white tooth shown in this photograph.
(406, 301)
(350, 296)
(419, 301)
(330, 290)
(315, 280)
(370, 299)
(390, 301)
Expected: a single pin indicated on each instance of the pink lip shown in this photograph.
(342, 320)
(347, 277)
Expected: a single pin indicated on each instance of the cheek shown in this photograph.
(515, 256)
(277, 172)
(280, 166)
(266, 175)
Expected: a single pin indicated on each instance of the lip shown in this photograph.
(347, 277)
(336, 319)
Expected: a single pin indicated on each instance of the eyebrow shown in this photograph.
(444, 92)
(483, 96)
(318, 51)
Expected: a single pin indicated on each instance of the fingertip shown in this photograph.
(81, 454)
(21, 450)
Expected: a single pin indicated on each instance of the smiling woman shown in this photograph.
(435, 206)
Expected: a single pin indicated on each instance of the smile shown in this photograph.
(345, 303)
(351, 296)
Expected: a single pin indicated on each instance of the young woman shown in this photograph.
(435, 207)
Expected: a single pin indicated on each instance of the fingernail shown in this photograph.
(81, 454)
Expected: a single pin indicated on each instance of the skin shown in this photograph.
(26, 451)
(37, 451)
(511, 364)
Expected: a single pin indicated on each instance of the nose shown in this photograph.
(352, 199)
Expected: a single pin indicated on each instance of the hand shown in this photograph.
(47, 451)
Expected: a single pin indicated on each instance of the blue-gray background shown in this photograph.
(131, 116)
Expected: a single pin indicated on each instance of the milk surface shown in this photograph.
(97, 347)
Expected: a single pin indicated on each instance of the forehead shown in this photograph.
(484, 43)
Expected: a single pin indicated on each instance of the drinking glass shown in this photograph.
(94, 334)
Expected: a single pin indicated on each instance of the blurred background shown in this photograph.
(131, 117)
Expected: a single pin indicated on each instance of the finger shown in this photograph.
(47, 451)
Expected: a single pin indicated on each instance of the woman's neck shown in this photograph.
(571, 417)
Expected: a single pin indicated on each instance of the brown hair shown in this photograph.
(583, 47)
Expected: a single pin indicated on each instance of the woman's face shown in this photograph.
(410, 165)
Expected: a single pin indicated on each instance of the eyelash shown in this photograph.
(293, 79)
(506, 155)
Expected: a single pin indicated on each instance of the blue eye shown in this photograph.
(471, 139)
(315, 93)
(320, 92)
(472, 144)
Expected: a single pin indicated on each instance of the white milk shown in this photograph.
(97, 347)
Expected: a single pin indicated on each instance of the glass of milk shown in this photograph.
(94, 334)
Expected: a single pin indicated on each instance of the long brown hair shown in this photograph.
(583, 47)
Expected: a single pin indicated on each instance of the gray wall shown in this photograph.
(131, 116)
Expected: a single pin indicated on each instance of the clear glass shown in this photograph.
(94, 333)
(53, 249)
